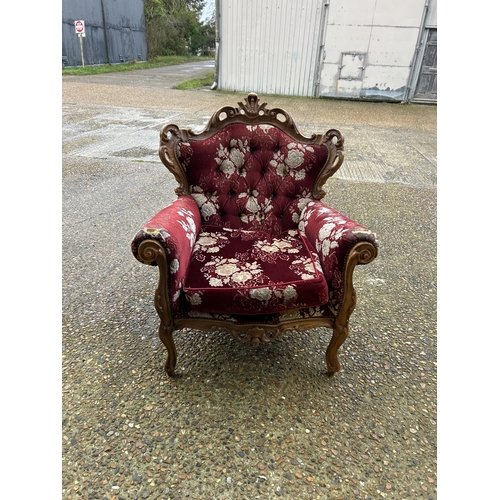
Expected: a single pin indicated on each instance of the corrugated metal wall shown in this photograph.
(269, 47)
(354, 49)
(383, 35)
(431, 21)
(115, 31)
(423, 82)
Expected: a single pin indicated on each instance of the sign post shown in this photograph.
(80, 31)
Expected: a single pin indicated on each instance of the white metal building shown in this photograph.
(354, 49)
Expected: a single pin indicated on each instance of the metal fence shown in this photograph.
(115, 31)
(269, 46)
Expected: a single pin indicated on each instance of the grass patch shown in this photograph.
(132, 65)
(197, 83)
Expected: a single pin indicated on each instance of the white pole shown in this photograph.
(81, 49)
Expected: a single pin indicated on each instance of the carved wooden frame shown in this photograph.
(152, 251)
(252, 113)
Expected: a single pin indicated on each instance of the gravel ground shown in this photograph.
(240, 422)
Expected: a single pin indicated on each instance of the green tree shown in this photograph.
(207, 46)
(173, 27)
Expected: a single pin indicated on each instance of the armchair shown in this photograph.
(248, 247)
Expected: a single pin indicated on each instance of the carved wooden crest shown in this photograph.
(252, 111)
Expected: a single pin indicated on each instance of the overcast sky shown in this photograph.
(208, 9)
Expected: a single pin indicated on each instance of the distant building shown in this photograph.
(114, 32)
(353, 49)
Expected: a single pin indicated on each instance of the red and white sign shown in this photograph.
(80, 27)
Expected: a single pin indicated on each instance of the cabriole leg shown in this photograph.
(165, 333)
(340, 333)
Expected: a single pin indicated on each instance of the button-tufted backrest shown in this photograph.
(251, 176)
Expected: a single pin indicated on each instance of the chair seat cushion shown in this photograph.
(253, 272)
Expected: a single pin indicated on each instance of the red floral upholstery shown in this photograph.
(253, 272)
(251, 177)
(271, 319)
(176, 227)
(247, 246)
(333, 235)
(266, 246)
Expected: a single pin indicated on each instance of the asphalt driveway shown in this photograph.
(239, 422)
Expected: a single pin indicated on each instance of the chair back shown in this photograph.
(250, 168)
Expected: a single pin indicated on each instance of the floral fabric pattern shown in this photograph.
(234, 271)
(266, 319)
(333, 235)
(176, 227)
(250, 243)
(252, 177)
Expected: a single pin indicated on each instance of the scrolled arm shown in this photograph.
(173, 230)
(334, 235)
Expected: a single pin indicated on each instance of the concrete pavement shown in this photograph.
(165, 77)
(145, 99)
